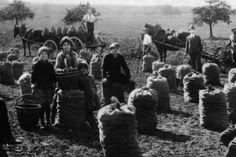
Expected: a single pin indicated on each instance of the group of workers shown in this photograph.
(114, 70)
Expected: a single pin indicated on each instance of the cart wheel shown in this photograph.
(53, 48)
(78, 44)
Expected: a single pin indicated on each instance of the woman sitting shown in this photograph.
(67, 59)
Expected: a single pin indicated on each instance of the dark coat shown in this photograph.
(5, 131)
(43, 75)
(193, 44)
(112, 68)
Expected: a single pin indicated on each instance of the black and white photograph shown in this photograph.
(117, 78)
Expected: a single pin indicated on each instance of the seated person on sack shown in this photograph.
(115, 70)
(6, 136)
(67, 59)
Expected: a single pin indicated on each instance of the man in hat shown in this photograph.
(6, 136)
(232, 44)
(115, 72)
(193, 47)
(147, 41)
(89, 18)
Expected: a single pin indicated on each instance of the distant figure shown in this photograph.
(147, 41)
(6, 136)
(89, 18)
(194, 49)
(232, 44)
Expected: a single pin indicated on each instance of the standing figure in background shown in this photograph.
(147, 41)
(89, 18)
(232, 44)
(193, 47)
(43, 83)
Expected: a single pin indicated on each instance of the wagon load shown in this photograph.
(6, 73)
(64, 32)
(59, 32)
(3, 55)
(193, 82)
(212, 109)
(211, 74)
(232, 75)
(181, 72)
(71, 109)
(230, 93)
(145, 102)
(156, 65)
(160, 84)
(25, 83)
(95, 66)
(117, 130)
(17, 68)
(169, 73)
(45, 33)
(148, 59)
(72, 31)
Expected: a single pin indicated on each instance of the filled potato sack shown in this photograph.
(6, 73)
(212, 109)
(17, 69)
(193, 82)
(25, 83)
(181, 72)
(211, 74)
(160, 84)
(145, 101)
(232, 75)
(147, 61)
(230, 93)
(118, 130)
(169, 73)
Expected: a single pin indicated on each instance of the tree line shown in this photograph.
(211, 14)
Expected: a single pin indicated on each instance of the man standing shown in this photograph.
(89, 18)
(194, 49)
(147, 41)
(232, 43)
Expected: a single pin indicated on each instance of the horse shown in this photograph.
(165, 41)
(28, 36)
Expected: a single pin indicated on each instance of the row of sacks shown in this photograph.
(62, 31)
(10, 71)
(211, 73)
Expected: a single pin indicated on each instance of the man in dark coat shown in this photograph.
(232, 44)
(194, 49)
(115, 74)
(6, 136)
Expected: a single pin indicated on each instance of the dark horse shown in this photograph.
(28, 36)
(163, 41)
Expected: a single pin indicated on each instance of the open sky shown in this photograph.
(131, 2)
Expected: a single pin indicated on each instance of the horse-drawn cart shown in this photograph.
(52, 38)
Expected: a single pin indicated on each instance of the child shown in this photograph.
(91, 98)
(43, 83)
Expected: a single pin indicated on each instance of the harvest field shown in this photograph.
(178, 132)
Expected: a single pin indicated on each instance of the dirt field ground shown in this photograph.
(178, 132)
